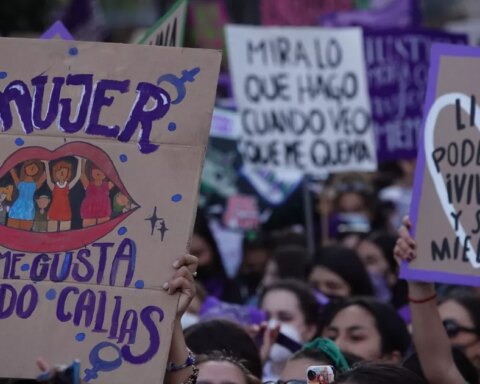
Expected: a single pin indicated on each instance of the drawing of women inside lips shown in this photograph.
(51, 211)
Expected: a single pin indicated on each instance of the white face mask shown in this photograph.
(189, 319)
(279, 353)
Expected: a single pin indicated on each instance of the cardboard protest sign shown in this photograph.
(57, 30)
(169, 30)
(300, 12)
(303, 99)
(445, 211)
(102, 148)
(397, 66)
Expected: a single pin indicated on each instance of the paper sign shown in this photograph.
(471, 27)
(169, 30)
(57, 30)
(225, 175)
(303, 99)
(99, 173)
(397, 67)
(300, 12)
(242, 213)
(445, 209)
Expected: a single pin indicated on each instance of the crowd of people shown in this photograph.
(343, 307)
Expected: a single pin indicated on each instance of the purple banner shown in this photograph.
(380, 14)
(397, 62)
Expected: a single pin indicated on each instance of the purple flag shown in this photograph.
(57, 29)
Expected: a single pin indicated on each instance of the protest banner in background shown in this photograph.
(205, 25)
(397, 67)
(471, 27)
(169, 30)
(378, 14)
(225, 175)
(57, 30)
(300, 12)
(99, 176)
(303, 98)
(445, 209)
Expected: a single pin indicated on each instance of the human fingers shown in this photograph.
(403, 251)
(190, 261)
(407, 222)
(43, 365)
(404, 234)
(179, 284)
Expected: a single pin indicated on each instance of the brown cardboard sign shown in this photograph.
(102, 147)
(445, 208)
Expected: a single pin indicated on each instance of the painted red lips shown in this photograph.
(26, 241)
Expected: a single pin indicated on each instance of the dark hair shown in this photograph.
(291, 261)
(306, 299)
(222, 356)
(313, 354)
(223, 335)
(470, 302)
(256, 240)
(464, 366)
(375, 373)
(392, 329)
(202, 230)
(386, 242)
(346, 263)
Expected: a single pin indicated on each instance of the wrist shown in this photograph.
(188, 362)
(422, 299)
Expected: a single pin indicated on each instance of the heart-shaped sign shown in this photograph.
(429, 132)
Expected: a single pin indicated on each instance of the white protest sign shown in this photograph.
(303, 98)
(169, 29)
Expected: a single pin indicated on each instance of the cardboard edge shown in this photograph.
(162, 19)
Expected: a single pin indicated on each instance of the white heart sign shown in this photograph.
(430, 124)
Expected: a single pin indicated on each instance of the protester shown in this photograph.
(317, 352)
(367, 328)
(376, 253)
(287, 262)
(256, 256)
(293, 311)
(211, 272)
(223, 335)
(337, 272)
(379, 374)
(429, 334)
(220, 368)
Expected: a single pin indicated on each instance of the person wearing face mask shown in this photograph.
(367, 328)
(376, 253)
(337, 272)
(293, 311)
